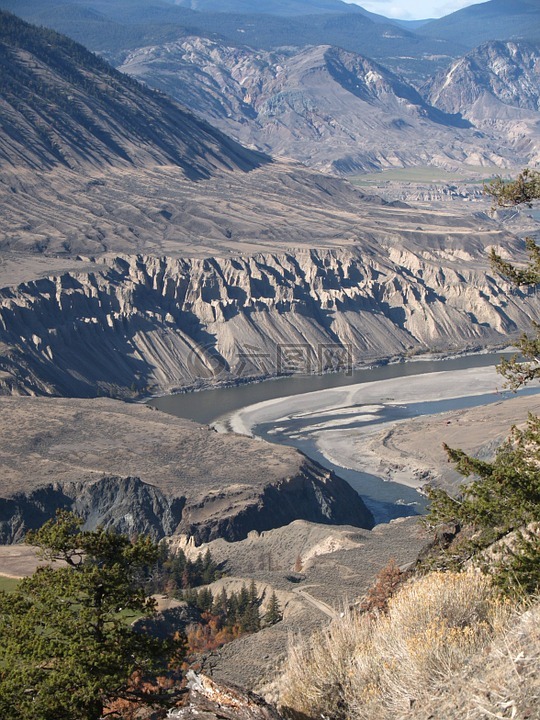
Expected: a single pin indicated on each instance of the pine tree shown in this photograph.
(209, 569)
(504, 494)
(243, 600)
(67, 649)
(205, 600)
(273, 614)
(220, 605)
(232, 610)
(524, 366)
(250, 619)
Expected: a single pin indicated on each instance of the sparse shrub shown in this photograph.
(367, 666)
(388, 580)
(320, 671)
(433, 625)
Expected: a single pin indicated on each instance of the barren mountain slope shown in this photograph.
(331, 109)
(157, 210)
(496, 87)
(61, 105)
(142, 471)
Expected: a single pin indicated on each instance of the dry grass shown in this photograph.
(503, 682)
(372, 667)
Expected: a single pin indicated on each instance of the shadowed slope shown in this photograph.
(61, 105)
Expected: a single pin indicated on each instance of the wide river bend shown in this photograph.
(322, 414)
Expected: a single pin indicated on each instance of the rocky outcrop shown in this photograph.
(23, 511)
(208, 700)
(312, 494)
(125, 504)
(132, 507)
(139, 324)
(140, 471)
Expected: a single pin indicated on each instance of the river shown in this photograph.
(319, 414)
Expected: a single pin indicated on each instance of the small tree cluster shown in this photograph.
(173, 573)
(240, 610)
(226, 617)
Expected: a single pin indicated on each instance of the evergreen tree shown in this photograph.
(232, 610)
(205, 600)
(243, 600)
(525, 366)
(504, 495)
(67, 647)
(250, 618)
(523, 190)
(220, 605)
(273, 614)
(209, 570)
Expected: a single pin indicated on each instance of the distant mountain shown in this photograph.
(496, 87)
(291, 8)
(411, 24)
(331, 109)
(116, 26)
(494, 20)
(270, 7)
(62, 105)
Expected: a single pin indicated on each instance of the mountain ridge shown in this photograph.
(271, 7)
(331, 109)
(62, 105)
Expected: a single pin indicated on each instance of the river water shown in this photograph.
(279, 417)
(207, 406)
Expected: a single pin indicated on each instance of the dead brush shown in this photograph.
(367, 667)
(321, 672)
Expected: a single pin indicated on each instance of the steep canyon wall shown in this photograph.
(141, 324)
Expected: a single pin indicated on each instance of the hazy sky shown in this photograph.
(414, 9)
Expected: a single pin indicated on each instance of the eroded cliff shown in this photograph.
(138, 470)
(141, 324)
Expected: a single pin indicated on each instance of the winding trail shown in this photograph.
(319, 604)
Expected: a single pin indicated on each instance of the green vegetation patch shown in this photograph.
(8, 584)
(426, 173)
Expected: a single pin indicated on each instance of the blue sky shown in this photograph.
(414, 9)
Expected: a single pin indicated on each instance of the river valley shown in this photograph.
(335, 418)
